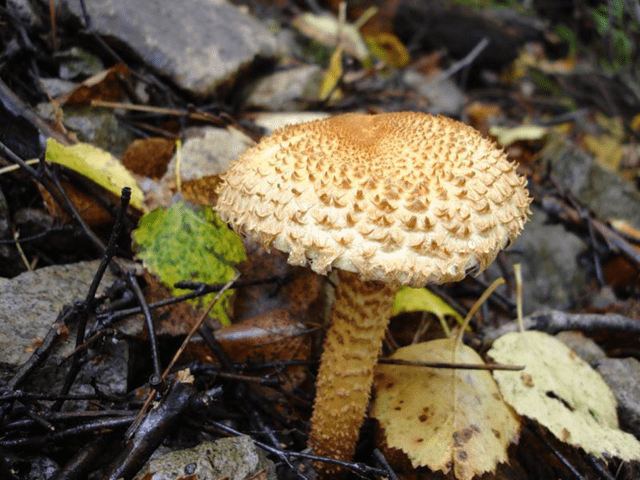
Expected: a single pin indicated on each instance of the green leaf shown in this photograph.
(182, 244)
(410, 299)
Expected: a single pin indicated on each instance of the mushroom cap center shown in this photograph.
(403, 197)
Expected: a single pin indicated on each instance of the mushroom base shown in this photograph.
(359, 320)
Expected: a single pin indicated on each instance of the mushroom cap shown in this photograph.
(405, 197)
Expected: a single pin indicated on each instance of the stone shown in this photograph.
(623, 377)
(551, 273)
(30, 303)
(208, 151)
(235, 458)
(285, 90)
(199, 45)
(271, 121)
(584, 347)
(604, 192)
(442, 93)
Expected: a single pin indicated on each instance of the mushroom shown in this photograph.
(390, 199)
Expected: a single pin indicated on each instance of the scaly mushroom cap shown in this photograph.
(405, 197)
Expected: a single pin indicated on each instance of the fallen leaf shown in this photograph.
(329, 85)
(325, 29)
(389, 48)
(443, 419)
(105, 85)
(607, 146)
(561, 392)
(180, 244)
(506, 136)
(409, 299)
(149, 157)
(97, 165)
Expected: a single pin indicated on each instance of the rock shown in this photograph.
(551, 274)
(199, 45)
(585, 348)
(605, 192)
(30, 303)
(97, 126)
(273, 121)
(25, 12)
(208, 151)
(234, 458)
(442, 93)
(287, 90)
(623, 377)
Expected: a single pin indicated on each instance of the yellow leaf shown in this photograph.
(97, 165)
(328, 87)
(410, 299)
(561, 392)
(635, 123)
(607, 147)
(389, 48)
(441, 418)
(506, 136)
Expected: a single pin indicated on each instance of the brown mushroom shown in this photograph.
(390, 199)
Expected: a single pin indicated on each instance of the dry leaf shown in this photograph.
(563, 393)
(441, 418)
(105, 85)
(149, 157)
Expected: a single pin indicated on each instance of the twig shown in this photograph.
(155, 427)
(108, 318)
(155, 355)
(284, 456)
(88, 305)
(377, 454)
(463, 62)
(80, 464)
(554, 321)
(457, 366)
(132, 429)
(52, 438)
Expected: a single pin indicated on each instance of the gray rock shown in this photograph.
(30, 303)
(288, 90)
(443, 95)
(551, 274)
(57, 86)
(234, 458)
(605, 192)
(25, 12)
(97, 126)
(208, 151)
(623, 377)
(585, 348)
(40, 467)
(199, 44)
(275, 120)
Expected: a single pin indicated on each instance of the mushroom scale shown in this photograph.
(402, 197)
(389, 199)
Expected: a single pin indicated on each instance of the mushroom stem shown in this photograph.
(358, 323)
